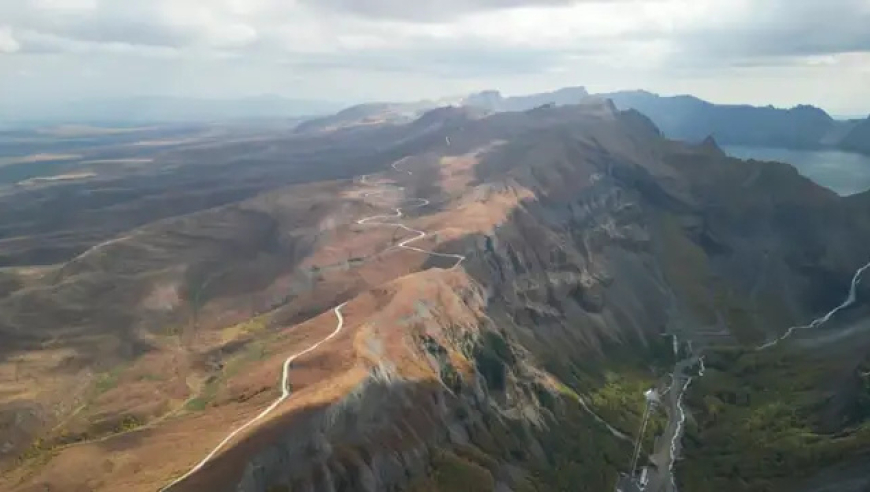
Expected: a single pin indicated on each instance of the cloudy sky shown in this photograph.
(782, 52)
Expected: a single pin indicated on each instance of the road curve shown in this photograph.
(418, 234)
(285, 392)
(398, 214)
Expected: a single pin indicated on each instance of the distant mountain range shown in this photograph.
(494, 101)
(404, 112)
(691, 119)
(685, 118)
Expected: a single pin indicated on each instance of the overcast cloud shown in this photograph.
(758, 51)
(426, 11)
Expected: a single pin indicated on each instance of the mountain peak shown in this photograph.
(450, 113)
(711, 145)
(495, 101)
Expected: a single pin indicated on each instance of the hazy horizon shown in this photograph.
(96, 109)
(435, 97)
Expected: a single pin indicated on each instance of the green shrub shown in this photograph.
(454, 474)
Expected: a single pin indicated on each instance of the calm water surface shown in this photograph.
(844, 172)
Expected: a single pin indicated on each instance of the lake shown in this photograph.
(845, 173)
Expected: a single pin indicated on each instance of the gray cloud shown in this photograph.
(435, 41)
(128, 30)
(40, 43)
(8, 42)
(459, 61)
(427, 11)
(772, 28)
(787, 29)
(129, 22)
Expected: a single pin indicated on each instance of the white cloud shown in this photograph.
(8, 43)
(648, 29)
(38, 43)
(61, 6)
(463, 43)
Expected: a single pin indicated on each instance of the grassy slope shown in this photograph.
(757, 422)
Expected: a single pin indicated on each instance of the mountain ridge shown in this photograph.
(681, 117)
(599, 260)
(692, 119)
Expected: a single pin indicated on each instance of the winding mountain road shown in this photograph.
(418, 234)
(850, 299)
(376, 220)
(285, 393)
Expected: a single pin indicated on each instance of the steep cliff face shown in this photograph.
(453, 403)
(640, 197)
